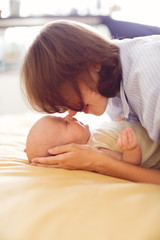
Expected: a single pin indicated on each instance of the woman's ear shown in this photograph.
(97, 67)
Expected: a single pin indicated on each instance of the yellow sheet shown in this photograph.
(45, 204)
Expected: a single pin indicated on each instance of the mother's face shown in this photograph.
(94, 102)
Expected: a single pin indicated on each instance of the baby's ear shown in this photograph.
(24, 150)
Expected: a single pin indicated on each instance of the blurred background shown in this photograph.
(21, 20)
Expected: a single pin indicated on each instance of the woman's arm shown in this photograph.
(83, 157)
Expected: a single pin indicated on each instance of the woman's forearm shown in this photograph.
(83, 157)
(124, 170)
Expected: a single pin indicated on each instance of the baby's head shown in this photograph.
(50, 131)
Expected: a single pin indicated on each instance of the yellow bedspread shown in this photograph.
(45, 204)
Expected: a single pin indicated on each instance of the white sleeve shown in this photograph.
(114, 108)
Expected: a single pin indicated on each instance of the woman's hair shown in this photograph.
(59, 59)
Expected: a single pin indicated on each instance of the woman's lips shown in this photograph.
(85, 110)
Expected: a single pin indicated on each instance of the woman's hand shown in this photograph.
(72, 156)
(83, 157)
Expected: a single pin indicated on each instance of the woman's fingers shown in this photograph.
(71, 156)
(59, 154)
(51, 160)
(44, 165)
(66, 148)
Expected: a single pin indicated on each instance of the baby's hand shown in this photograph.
(127, 141)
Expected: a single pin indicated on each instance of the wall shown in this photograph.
(11, 100)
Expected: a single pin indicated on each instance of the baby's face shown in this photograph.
(73, 131)
(51, 131)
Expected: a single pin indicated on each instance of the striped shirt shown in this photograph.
(139, 98)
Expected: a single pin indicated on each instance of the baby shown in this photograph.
(50, 131)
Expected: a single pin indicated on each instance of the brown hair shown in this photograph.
(59, 57)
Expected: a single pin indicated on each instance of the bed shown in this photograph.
(44, 203)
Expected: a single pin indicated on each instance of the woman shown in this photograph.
(70, 67)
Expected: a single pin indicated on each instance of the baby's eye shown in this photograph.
(66, 122)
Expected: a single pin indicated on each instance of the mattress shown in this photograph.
(38, 203)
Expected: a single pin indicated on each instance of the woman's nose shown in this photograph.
(71, 112)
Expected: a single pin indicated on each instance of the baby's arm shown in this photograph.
(128, 143)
